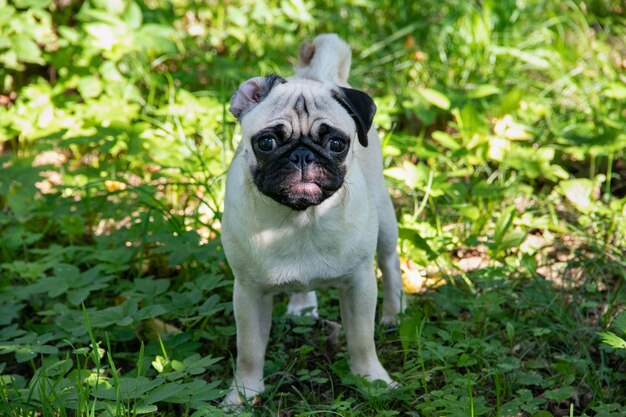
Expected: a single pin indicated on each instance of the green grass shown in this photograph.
(503, 133)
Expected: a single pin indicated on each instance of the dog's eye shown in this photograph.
(336, 145)
(266, 143)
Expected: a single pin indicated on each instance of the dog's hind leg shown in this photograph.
(386, 252)
(389, 262)
(303, 303)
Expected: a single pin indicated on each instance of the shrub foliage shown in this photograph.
(504, 134)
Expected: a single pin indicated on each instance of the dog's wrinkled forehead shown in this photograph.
(301, 107)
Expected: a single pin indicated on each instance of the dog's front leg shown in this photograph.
(253, 315)
(358, 311)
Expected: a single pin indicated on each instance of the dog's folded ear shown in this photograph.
(361, 108)
(252, 92)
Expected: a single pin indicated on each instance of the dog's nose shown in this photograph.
(301, 157)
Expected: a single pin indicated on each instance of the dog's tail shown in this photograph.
(328, 58)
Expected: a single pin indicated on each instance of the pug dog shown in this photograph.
(306, 207)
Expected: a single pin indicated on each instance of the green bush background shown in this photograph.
(504, 134)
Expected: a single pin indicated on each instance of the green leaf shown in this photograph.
(483, 90)
(21, 202)
(414, 237)
(511, 101)
(446, 140)
(163, 393)
(89, 87)
(102, 36)
(128, 388)
(560, 394)
(40, 4)
(4, 42)
(9, 311)
(470, 212)
(579, 192)
(615, 90)
(410, 329)
(532, 58)
(178, 366)
(199, 391)
(145, 409)
(195, 364)
(484, 189)
(512, 239)
(27, 50)
(133, 16)
(609, 410)
(466, 360)
(409, 173)
(297, 10)
(509, 364)
(58, 368)
(471, 124)
(502, 225)
(620, 322)
(528, 378)
(612, 340)
(435, 98)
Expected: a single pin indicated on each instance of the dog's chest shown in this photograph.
(302, 253)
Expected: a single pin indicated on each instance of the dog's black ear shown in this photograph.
(361, 108)
(252, 92)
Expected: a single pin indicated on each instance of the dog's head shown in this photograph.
(299, 136)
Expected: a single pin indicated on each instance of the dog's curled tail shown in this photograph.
(328, 58)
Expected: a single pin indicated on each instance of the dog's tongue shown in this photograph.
(307, 188)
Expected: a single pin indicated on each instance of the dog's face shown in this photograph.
(299, 136)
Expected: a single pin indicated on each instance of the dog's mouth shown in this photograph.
(300, 195)
(306, 189)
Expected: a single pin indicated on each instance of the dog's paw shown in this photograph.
(394, 385)
(383, 383)
(372, 371)
(239, 397)
(389, 322)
